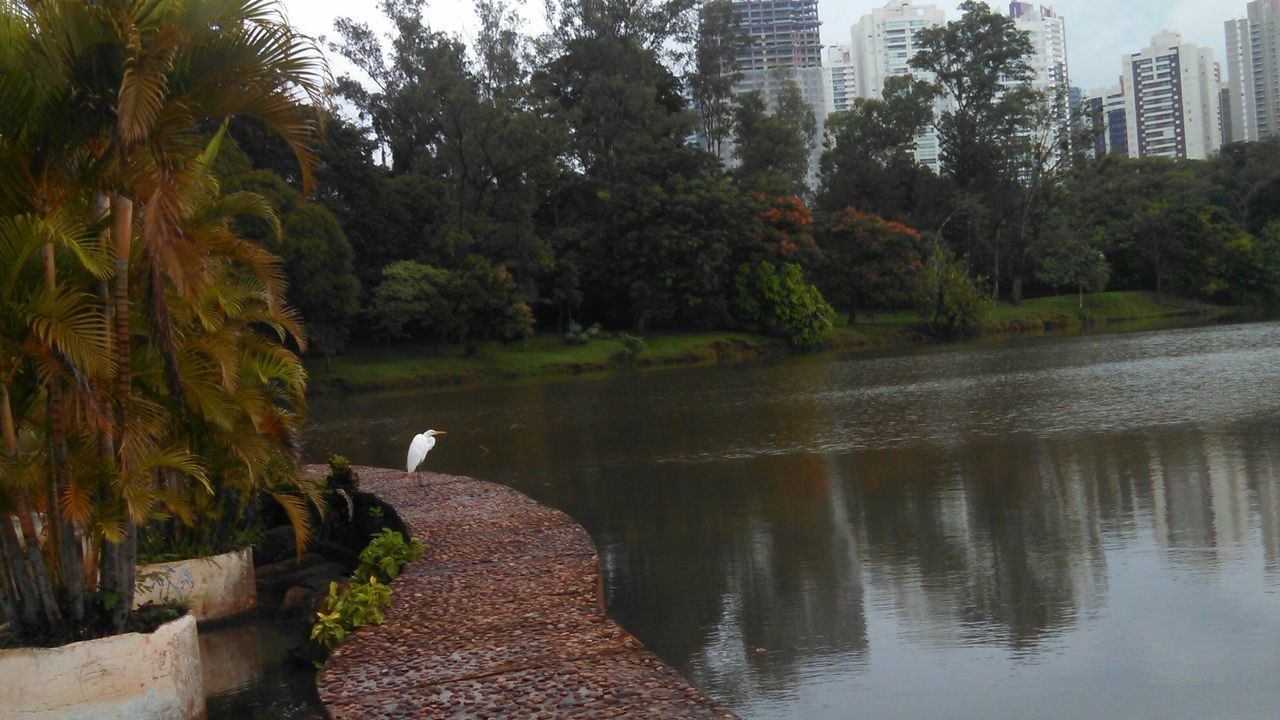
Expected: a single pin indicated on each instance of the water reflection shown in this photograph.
(249, 676)
(1055, 528)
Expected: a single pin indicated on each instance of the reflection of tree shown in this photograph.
(741, 579)
(1006, 542)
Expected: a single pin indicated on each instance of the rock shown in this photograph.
(274, 573)
(278, 544)
(298, 601)
(338, 552)
(316, 577)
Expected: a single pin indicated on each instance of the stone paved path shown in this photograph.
(502, 617)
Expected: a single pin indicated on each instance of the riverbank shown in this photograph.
(502, 616)
(403, 367)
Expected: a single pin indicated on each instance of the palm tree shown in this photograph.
(102, 107)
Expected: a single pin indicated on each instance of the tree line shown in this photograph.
(474, 192)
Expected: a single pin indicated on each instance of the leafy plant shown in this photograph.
(385, 555)
(953, 302)
(780, 302)
(632, 347)
(359, 602)
(143, 359)
(575, 335)
(355, 605)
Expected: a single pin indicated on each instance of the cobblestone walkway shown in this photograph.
(501, 618)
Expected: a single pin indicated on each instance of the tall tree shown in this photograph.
(869, 156)
(975, 61)
(711, 85)
(773, 144)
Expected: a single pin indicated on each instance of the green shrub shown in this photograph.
(386, 554)
(360, 602)
(632, 347)
(953, 302)
(575, 335)
(341, 476)
(356, 605)
(780, 302)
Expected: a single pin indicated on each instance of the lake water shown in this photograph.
(1078, 527)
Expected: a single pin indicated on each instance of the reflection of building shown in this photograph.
(883, 44)
(1253, 73)
(1171, 95)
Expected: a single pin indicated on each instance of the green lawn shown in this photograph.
(415, 366)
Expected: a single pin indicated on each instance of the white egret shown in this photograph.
(418, 449)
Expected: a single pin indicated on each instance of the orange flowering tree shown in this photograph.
(869, 262)
(781, 229)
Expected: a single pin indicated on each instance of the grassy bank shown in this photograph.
(394, 367)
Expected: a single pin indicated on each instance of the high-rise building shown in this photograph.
(883, 44)
(1172, 99)
(1253, 72)
(782, 33)
(783, 44)
(1110, 120)
(1242, 125)
(1048, 34)
(841, 81)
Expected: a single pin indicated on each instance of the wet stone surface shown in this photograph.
(501, 617)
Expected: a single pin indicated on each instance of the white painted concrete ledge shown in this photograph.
(129, 677)
(213, 588)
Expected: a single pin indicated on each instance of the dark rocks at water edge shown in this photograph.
(292, 587)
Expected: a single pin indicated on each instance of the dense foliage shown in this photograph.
(577, 178)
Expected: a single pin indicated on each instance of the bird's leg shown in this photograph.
(420, 478)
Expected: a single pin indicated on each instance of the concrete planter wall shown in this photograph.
(213, 588)
(134, 676)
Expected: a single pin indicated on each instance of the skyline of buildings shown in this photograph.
(1171, 98)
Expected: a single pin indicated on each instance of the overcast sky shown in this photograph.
(1098, 31)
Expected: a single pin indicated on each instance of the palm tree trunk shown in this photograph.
(119, 562)
(20, 588)
(62, 532)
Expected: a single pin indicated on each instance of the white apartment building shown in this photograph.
(1048, 61)
(883, 44)
(1172, 99)
(840, 79)
(1241, 101)
(1253, 74)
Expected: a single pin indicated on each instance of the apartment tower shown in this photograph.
(1253, 73)
(1172, 99)
(1048, 61)
(1110, 121)
(883, 44)
(841, 81)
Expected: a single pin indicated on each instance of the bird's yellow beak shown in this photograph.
(441, 432)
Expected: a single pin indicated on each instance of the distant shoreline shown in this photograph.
(375, 369)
